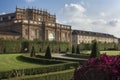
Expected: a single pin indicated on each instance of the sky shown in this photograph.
(90, 15)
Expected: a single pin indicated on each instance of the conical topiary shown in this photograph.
(48, 53)
(95, 51)
(32, 54)
(77, 50)
(73, 49)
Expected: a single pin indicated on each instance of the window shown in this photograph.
(1, 19)
(9, 17)
(51, 36)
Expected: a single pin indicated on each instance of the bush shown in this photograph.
(95, 51)
(73, 49)
(61, 75)
(77, 50)
(48, 53)
(100, 68)
(39, 70)
(32, 54)
(84, 56)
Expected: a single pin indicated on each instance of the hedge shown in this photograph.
(102, 46)
(15, 46)
(41, 60)
(38, 70)
(80, 60)
(62, 75)
(78, 56)
(10, 46)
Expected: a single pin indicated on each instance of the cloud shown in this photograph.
(102, 14)
(2, 13)
(29, 1)
(114, 22)
(76, 16)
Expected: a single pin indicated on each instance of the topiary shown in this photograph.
(48, 53)
(73, 49)
(32, 54)
(77, 50)
(95, 51)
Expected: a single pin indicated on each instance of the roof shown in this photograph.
(89, 33)
(8, 32)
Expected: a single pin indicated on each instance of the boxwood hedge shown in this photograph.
(38, 70)
(62, 75)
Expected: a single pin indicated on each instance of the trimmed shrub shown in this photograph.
(84, 56)
(38, 70)
(77, 50)
(67, 49)
(61, 75)
(48, 53)
(32, 54)
(73, 49)
(95, 51)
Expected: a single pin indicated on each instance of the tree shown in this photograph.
(32, 54)
(73, 49)
(95, 51)
(48, 53)
(77, 50)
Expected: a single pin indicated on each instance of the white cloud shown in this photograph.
(102, 14)
(29, 1)
(2, 13)
(75, 15)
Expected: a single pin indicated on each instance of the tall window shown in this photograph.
(51, 36)
(1, 19)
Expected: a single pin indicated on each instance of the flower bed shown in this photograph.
(100, 68)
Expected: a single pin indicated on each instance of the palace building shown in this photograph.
(31, 24)
(35, 24)
(79, 36)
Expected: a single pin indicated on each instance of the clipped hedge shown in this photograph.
(62, 75)
(102, 46)
(38, 70)
(10, 46)
(41, 60)
(15, 46)
(78, 56)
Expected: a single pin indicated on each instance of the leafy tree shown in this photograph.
(32, 54)
(73, 49)
(48, 53)
(77, 50)
(95, 51)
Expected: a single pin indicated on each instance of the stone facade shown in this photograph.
(34, 24)
(79, 36)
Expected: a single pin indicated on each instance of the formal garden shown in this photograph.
(36, 60)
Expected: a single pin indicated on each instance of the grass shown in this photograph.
(102, 52)
(13, 61)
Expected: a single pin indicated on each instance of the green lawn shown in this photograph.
(102, 52)
(13, 61)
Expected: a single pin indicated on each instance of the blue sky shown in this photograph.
(92, 15)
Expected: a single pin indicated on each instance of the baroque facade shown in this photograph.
(33, 24)
(79, 36)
